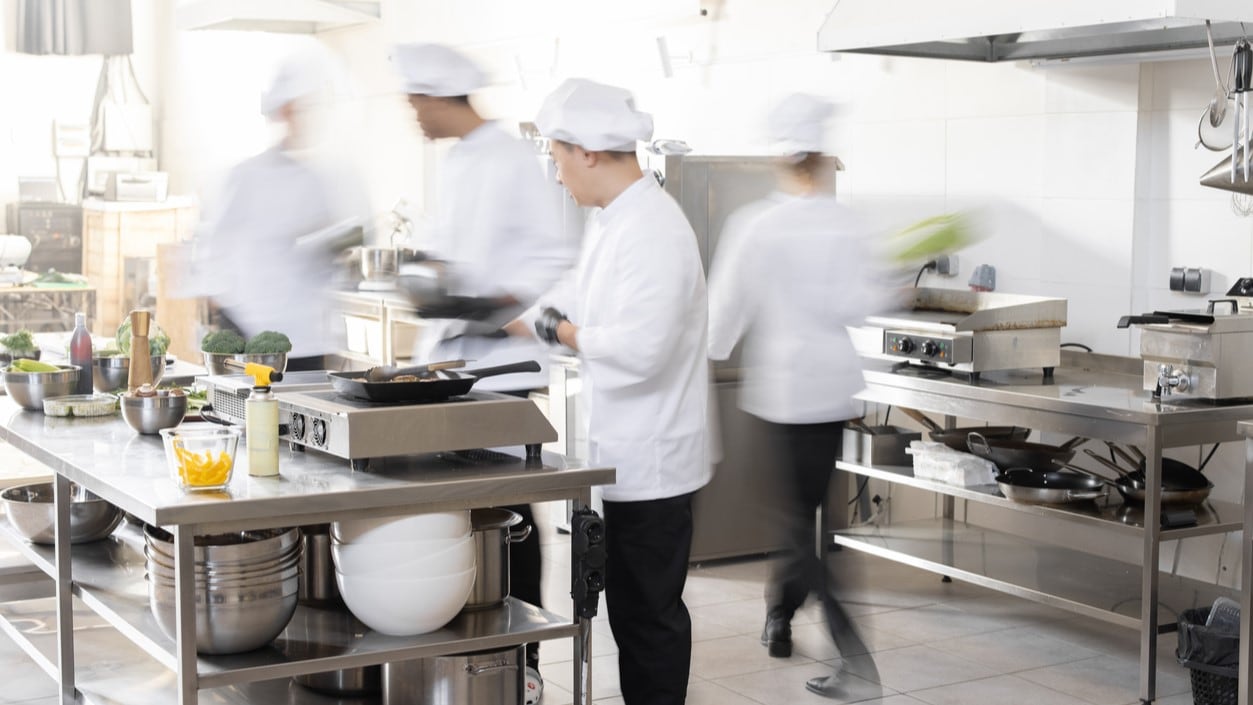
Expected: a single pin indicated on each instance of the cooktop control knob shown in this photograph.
(905, 345)
(929, 348)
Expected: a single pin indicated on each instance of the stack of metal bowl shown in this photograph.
(110, 374)
(32, 513)
(246, 586)
(216, 362)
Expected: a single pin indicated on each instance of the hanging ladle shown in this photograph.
(1218, 104)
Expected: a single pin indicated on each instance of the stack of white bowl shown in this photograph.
(246, 586)
(405, 575)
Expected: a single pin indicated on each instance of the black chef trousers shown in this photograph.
(807, 453)
(648, 544)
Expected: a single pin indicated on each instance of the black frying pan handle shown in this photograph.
(528, 366)
(1146, 318)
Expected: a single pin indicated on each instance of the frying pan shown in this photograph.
(1021, 454)
(1134, 494)
(450, 384)
(1176, 474)
(1049, 486)
(955, 438)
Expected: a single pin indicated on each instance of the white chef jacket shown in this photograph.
(790, 273)
(500, 229)
(251, 264)
(638, 298)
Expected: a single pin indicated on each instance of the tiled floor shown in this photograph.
(932, 642)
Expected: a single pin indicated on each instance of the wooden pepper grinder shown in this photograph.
(141, 360)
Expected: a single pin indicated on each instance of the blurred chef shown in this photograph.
(635, 310)
(267, 261)
(499, 244)
(791, 272)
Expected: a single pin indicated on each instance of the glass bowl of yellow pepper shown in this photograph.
(201, 457)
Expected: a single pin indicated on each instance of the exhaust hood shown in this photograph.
(289, 16)
(1015, 30)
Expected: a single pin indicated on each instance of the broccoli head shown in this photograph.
(21, 340)
(158, 340)
(224, 342)
(268, 342)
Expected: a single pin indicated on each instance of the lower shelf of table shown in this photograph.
(1098, 587)
(1213, 516)
(111, 670)
(109, 579)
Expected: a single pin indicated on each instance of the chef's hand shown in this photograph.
(547, 323)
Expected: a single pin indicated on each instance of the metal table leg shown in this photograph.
(65, 594)
(185, 614)
(583, 641)
(1148, 572)
(1246, 578)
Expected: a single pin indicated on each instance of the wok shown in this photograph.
(1049, 486)
(1021, 454)
(448, 384)
(1176, 474)
(955, 438)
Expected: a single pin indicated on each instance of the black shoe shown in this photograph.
(826, 686)
(777, 637)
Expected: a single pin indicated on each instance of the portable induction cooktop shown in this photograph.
(357, 430)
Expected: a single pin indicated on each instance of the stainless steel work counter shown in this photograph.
(130, 470)
(1095, 396)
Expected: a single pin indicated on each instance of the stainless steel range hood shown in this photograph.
(1014, 30)
(288, 16)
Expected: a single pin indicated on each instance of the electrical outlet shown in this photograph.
(946, 265)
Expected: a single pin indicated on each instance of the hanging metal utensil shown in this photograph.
(1242, 70)
(1212, 129)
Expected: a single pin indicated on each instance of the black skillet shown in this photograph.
(447, 384)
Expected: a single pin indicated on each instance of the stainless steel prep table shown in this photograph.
(129, 470)
(1095, 396)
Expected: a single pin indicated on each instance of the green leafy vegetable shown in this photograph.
(158, 341)
(21, 340)
(223, 342)
(268, 342)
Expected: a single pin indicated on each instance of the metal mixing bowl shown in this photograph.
(216, 362)
(151, 414)
(230, 621)
(32, 513)
(378, 263)
(240, 547)
(29, 389)
(110, 374)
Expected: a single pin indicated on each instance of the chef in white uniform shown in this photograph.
(498, 231)
(499, 241)
(259, 264)
(635, 310)
(790, 273)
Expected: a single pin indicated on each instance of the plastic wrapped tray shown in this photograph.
(81, 405)
(936, 461)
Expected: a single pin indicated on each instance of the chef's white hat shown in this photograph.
(303, 74)
(594, 116)
(798, 123)
(436, 70)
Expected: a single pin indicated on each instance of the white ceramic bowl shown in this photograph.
(412, 527)
(405, 607)
(367, 559)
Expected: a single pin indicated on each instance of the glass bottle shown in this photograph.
(80, 353)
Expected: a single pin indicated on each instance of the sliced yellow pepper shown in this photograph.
(203, 470)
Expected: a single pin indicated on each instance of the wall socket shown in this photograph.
(946, 265)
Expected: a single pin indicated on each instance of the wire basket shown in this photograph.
(1213, 689)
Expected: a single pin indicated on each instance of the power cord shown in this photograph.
(929, 265)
